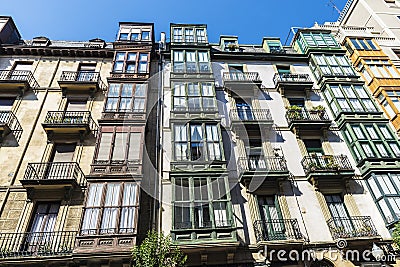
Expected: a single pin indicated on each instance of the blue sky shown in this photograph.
(250, 20)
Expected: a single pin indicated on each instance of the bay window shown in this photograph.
(126, 97)
(200, 141)
(201, 203)
(193, 96)
(349, 98)
(131, 62)
(189, 34)
(110, 208)
(332, 65)
(191, 61)
(119, 145)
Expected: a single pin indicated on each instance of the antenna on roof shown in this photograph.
(333, 5)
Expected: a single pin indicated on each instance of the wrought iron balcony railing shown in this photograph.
(352, 227)
(36, 244)
(54, 171)
(70, 119)
(262, 163)
(241, 77)
(9, 120)
(326, 163)
(83, 77)
(277, 229)
(80, 76)
(202, 225)
(24, 76)
(302, 114)
(250, 115)
(291, 78)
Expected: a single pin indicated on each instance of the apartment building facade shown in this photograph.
(236, 150)
(73, 117)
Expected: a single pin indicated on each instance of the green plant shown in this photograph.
(318, 108)
(157, 250)
(294, 112)
(396, 235)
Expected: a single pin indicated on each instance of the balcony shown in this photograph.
(69, 122)
(53, 175)
(81, 81)
(352, 227)
(36, 244)
(253, 116)
(9, 124)
(327, 167)
(278, 230)
(292, 82)
(17, 81)
(241, 79)
(269, 169)
(302, 119)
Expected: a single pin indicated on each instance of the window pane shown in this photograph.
(382, 150)
(104, 147)
(367, 150)
(207, 89)
(113, 90)
(218, 188)
(220, 214)
(119, 150)
(120, 56)
(131, 57)
(358, 132)
(371, 132)
(118, 66)
(395, 149)
(200, 189)
(180, 133)
(386, 184)
(385, 132)
(134, 146)
(140, 90)
(374, 187)
(146, 36)
(181, 189)
(196, 133)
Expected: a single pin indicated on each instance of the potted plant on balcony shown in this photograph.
(232, 46)
(294, 112)
(319, 110)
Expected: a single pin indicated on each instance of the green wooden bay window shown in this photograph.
(197, 141)
(194, 96)
(201, 203)
(191, 61)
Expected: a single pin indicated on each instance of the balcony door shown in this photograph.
(255, 154)
(339, 214)
(236, 72)
(284, 72)
(243, 110)
(316, 153)
(271, 216)
(20, 71)
(60, 166)
(40, 237)
(86, 73)
(75, 113)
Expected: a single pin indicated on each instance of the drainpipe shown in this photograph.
(159, 137)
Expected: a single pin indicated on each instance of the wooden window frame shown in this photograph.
(101, 207)
(114, 130)
(119, 98)
(126, 62)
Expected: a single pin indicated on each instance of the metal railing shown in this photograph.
(326, 163)
(303, 114)
(288, 77)
(54, 171)
(262, 163)
(33, 244)
(80, 76)
(250, 115)
(8, 118)
(351, 227)
(70, 118)
(19, 75)
(277, 229)
(241, 76)
(83, 77)
(202, 225)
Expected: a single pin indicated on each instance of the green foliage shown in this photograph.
(157, 251)
(396, 235)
